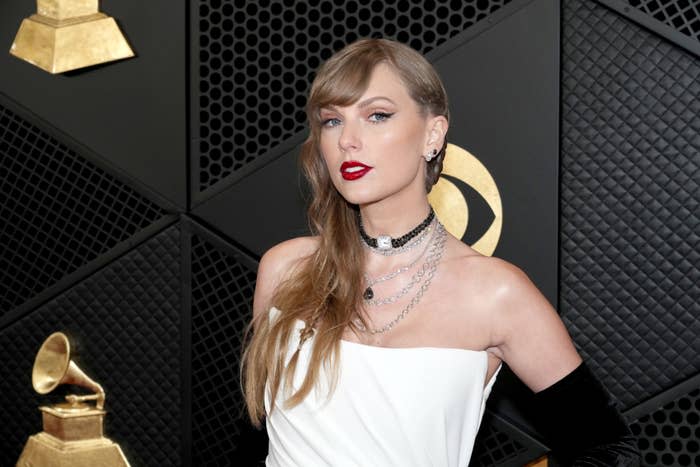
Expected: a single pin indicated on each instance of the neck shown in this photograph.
(395, 221)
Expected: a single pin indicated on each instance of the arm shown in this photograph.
(594, 434)
(575, 412)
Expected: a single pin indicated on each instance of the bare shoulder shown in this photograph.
(526, 331)
(505, 290)
(278, 259)
(502, 279)
(492, 276)
(495, 304)
(276, 264)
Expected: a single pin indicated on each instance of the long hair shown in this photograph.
(325, 289)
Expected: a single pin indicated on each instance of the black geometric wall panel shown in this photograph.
(494, 448)
(58, 211)
(671, 434)
(500, 444)
(257, 60)
(124, 321)
(630, 189)
(222, 296)
(681, 15)
(133, 112)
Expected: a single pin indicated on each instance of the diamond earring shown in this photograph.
(428, 157)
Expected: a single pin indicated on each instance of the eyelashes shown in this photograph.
(380, 116)
(330, 122)
(374, 117)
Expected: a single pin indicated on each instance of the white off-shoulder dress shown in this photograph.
(402, 407)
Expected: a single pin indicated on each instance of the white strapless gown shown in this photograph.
(398, 407)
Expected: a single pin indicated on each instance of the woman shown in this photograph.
(376, 342)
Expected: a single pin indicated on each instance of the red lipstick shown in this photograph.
(352, 170)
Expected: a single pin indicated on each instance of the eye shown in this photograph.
(330, 122)
(377, 117)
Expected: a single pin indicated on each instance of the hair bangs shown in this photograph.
(342, 82)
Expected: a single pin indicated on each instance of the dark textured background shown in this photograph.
(630, 281)
(59, 210)
(129, 194)
(630, 249)
(257, 61)
(130, 113)
(125, 322)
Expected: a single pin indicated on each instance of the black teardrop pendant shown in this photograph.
(368, 294)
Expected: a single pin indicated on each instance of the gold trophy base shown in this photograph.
(58, 46)
(44, 450)
(72, 437)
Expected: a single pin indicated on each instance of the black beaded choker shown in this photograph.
(385, 242)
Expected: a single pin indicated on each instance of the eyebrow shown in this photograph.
(369, 101)
(363, 104)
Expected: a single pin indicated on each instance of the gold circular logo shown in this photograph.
(450, 202)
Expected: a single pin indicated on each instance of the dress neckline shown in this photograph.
(368, 347)
(419, 347)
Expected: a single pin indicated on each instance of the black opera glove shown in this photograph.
(582, 425)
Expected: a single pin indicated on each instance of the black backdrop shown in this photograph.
(137, 196)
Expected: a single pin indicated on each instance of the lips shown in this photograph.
(352, 170)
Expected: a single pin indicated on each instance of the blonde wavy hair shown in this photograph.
(325, 289)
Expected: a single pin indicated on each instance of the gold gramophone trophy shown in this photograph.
(73, 434)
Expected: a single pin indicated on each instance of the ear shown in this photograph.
(435, 137)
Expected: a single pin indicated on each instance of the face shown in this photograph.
(373, 148)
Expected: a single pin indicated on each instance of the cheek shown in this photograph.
(328, 155)
(404, 140)
(328, 146)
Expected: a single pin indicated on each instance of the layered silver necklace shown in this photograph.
(425, 275)
(368, 294)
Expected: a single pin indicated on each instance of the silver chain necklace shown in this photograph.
(415, 279)
(368, 294)
(440, 241)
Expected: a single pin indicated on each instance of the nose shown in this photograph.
(349, 139)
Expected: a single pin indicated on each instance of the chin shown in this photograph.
(361, 200)
(357, 195)
(371, 190)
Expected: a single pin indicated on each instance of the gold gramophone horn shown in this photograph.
(53, 367)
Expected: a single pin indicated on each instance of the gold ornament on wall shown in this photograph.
(73, 430)
(66, 35)
(451, 206)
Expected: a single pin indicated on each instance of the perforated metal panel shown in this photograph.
(681, 15)
(58, 211)
(125, 323)
(257, 60)
(222, 294)
(671, 434)
(630, 188)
